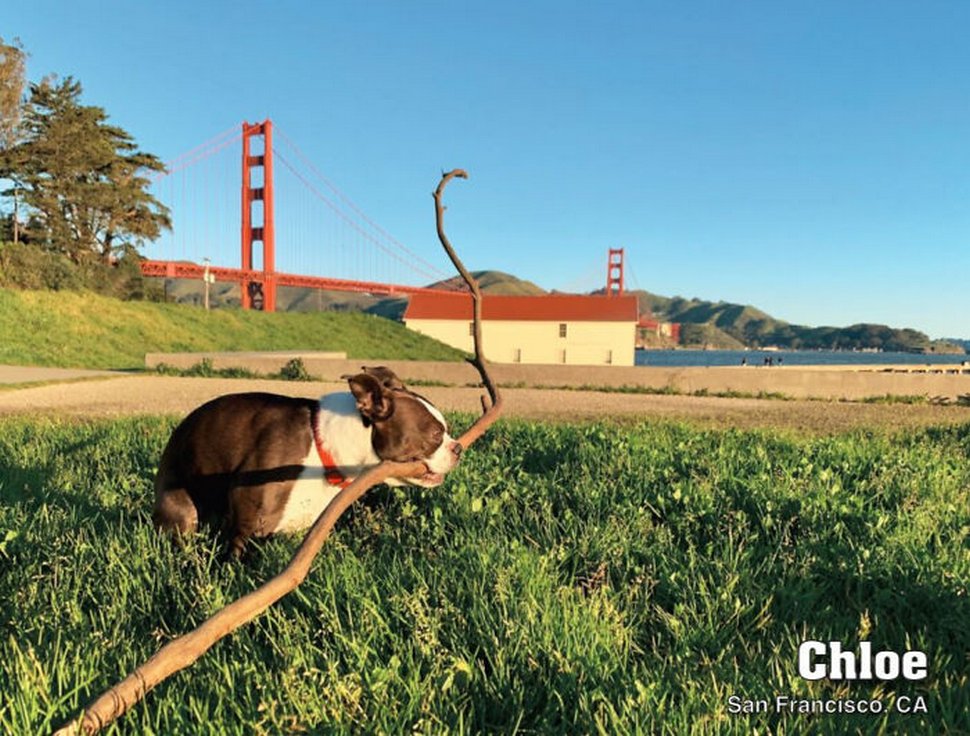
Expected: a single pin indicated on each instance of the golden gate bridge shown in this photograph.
(215, 222)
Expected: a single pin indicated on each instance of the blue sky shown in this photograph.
(809, 158)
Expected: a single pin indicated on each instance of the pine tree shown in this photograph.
(12, 58)
(11, 89)
(84, 180)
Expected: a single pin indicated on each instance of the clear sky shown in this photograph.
(810, 158)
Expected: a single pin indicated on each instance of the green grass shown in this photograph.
(85, 330)
(574, 579)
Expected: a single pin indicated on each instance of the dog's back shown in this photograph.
(222, 449)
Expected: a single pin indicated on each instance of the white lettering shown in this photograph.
(840, 658)
(865, 664)
(806, 669)
(906, 704)
(817, 660)
(914, 665)
(887, 665)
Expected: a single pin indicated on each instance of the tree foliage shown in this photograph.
(12, 57)
(83, 180)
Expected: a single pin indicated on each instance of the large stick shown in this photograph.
(186, 649)
(481, 364)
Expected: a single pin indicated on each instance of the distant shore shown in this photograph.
(834, 381)
(756, 356)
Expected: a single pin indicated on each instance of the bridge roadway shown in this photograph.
(195, 272)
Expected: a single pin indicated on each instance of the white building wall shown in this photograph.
(517, 341)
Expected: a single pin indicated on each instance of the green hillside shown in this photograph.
(726, 325)
(82, 329)
(495, 282)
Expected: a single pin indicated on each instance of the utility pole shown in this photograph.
(207, 278)
(16, 215)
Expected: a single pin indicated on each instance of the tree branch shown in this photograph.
(492, 409)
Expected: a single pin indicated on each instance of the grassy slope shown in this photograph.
(566, 579)
(86, 330)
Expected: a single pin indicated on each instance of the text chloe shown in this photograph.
(818, 660)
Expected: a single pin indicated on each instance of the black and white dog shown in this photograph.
(262, 463)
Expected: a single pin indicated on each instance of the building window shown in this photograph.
(562, 329)
(471, 329)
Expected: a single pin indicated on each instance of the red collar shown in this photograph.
(330, 469)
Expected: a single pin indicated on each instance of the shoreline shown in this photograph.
(851, 382)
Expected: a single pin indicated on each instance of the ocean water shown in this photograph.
(662, 358)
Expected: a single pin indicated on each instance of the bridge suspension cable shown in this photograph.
(361, 231)
(202, 151)
(428, 268)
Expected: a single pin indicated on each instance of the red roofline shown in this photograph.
(548, 308)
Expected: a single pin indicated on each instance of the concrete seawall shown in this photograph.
(821, 382)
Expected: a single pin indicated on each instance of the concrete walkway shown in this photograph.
(32, 374)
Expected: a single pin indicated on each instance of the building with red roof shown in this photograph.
(557, 328)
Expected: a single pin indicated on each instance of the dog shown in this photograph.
(261, 463)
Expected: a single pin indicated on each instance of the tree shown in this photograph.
(11, 103)
(11, 90)
(84, 180)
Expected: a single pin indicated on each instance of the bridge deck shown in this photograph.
(193, 271)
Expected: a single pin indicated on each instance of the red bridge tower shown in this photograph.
(614, 272)
(258, 290)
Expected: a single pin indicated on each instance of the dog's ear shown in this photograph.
(385, 375)
(374, 402)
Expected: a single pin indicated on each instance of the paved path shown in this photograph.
(33, 374)
(152, 394)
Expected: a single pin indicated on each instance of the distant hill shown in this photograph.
(494, 282)
(727, 325)
(289, 299)
(721, 324)
(965, 344)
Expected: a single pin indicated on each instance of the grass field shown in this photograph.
(566, 579)
(85, 330)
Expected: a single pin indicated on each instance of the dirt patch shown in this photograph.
(149, 394)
